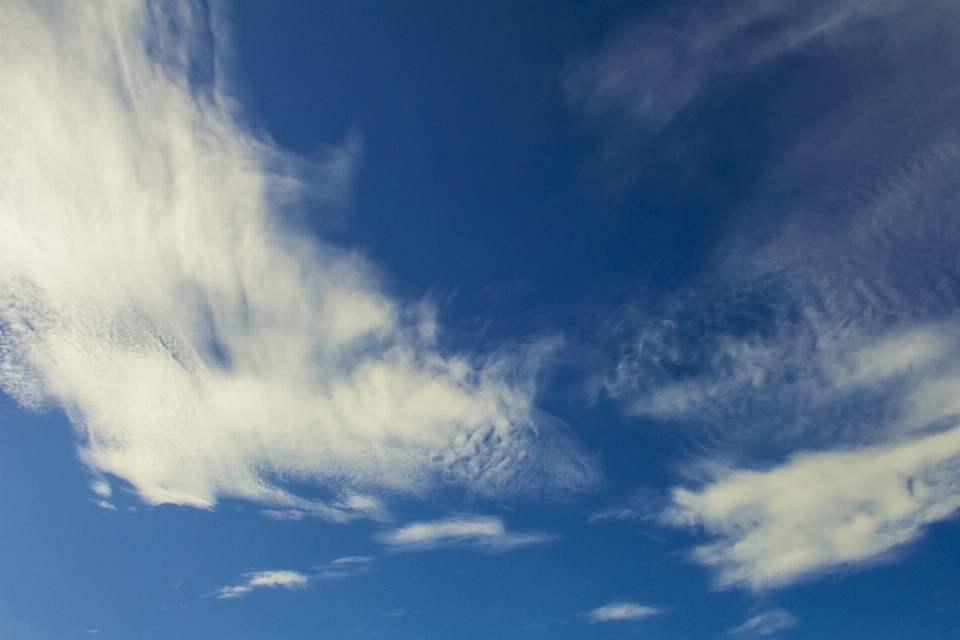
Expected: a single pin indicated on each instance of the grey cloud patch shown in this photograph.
(484, 533)
(202, 349)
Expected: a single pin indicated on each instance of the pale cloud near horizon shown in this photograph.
(290, 580)
(622, 611)
(485, 533)
(150, 286)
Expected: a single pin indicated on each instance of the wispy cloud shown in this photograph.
(765, 624)
(651, 69)
(848, 370)
(643, 504)
(815, 366)
(485, 533)
(291, 580)
(619, 611)
(340, 568)
(151, 286)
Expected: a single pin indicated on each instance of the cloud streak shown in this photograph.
(622, 611)
(485, 533)
(150, 286)
(765, 624)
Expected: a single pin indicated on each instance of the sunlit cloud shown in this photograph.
(151, 287)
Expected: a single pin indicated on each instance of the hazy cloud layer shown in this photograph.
(816, 365)
(485, 533)
(149, 286)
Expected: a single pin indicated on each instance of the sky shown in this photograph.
(543, 319)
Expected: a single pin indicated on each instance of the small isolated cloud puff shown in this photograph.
(485, 533)
(201, 349)
(765, 624)
(622, 611)
(292, 580)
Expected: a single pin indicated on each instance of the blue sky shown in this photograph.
(479, 320)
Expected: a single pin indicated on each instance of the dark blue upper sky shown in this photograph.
(480, 320)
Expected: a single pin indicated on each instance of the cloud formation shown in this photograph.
(620, 611)
(151, 286)
(291, 580)
(485, 533)
(815, 366)
(821, 510)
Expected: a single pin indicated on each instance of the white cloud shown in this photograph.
(486, 533)
(820, 511)
(765, 624)
(150, 287)
(851, 376)
(291, 580)
(816, 365)
(102, 489)
(617, 611)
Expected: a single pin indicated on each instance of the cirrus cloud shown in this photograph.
(150, 286)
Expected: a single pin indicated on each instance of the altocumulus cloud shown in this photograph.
(149, 287)
(818, 369)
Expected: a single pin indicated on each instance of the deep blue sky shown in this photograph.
(480, 320)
